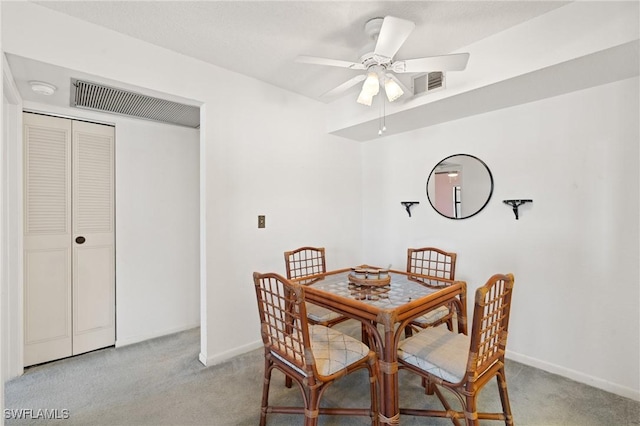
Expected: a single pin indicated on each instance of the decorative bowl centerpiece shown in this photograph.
(367, 276)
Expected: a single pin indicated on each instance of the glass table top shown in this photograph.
(400, 291)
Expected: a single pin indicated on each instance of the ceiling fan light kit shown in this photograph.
(388, 34)
(370, 88)
(364, 99)
(392, 89)
(371, 85)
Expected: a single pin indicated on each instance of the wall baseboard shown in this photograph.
(130, 340)
(578, 376)
(219, 358)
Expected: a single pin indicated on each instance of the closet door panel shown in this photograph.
(93, 237)
(47, 242)
(47, 313)
(69, 237)
(93, 314)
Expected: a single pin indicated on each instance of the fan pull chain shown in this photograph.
(382, 121)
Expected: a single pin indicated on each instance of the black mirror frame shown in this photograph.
(485, 203)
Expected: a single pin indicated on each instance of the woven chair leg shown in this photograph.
(450, 324)
(373, 388)
(504, 397)
(471, 411)
(312, 408)
(288, 381)
(265, 392)
(364, 334)
(428, 386)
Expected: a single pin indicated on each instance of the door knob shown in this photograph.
(80, 240)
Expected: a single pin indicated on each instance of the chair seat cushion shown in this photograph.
(319, 314)
(437, 351)
(334, 351)
(432, 316)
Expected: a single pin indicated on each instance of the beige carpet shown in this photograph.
(161, 382)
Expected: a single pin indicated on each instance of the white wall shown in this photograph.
(3, 248)
(157, 230)
(574, 250)
(262, 151)
(11, 265)
(278, 161)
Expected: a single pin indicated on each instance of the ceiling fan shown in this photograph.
(377, 59)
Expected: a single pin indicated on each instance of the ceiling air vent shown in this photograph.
(102, 98)
(429, 82)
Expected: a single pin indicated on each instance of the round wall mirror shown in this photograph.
(459, 186)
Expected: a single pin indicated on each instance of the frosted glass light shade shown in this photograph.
(370, 88)
(392, 89)
(364, 99)
(371, 85)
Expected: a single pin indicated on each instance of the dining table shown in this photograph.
(385, 311)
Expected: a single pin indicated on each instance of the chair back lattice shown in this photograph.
(304, 262)
(433, 262)
(283, 318)
(490, 323)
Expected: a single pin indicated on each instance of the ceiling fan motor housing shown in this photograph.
(372, 27)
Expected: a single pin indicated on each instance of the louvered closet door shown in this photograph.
(47, 242)
(69, 237)
(93, 237)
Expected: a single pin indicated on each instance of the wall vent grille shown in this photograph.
(103, 98)
(436, 80)
(428, 82)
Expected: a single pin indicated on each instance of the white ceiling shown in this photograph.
(261, 39)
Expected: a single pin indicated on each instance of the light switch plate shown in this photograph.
(261, 221)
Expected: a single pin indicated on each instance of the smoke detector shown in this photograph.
(42, 88)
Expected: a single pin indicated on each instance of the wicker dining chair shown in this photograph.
(464, 364)
(436, 263)
(304, 262)
(314, 356)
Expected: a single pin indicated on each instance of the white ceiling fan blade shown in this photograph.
(330, 62)
(345, 86)
(393, 33)
(454, 62)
